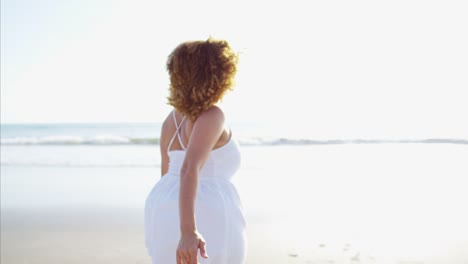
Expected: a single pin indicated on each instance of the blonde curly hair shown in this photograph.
(200, 74)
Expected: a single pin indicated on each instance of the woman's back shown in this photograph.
(218, 208)
(223, 161)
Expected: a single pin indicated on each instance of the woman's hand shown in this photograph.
(187, 250)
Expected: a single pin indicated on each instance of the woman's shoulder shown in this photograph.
(213, 112)
(168, 120)
(212, 118)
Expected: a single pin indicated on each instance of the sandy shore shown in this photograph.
(115, 236)
(72, 236)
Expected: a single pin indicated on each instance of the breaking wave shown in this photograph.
(119, 140)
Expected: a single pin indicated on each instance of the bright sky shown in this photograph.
(327, 68)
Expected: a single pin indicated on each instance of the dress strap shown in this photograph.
(178, 135)
(178, 126)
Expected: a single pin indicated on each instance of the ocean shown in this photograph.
(328, 200)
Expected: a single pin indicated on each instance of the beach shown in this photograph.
(96, 236)
(336, 203)
(349, 117)
(116, 236)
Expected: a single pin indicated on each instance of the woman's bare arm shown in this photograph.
(206, 131)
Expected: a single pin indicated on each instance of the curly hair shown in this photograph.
(200, 74)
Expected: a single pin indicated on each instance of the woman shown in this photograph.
(194, 206)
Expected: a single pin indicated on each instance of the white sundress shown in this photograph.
(218, 209)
